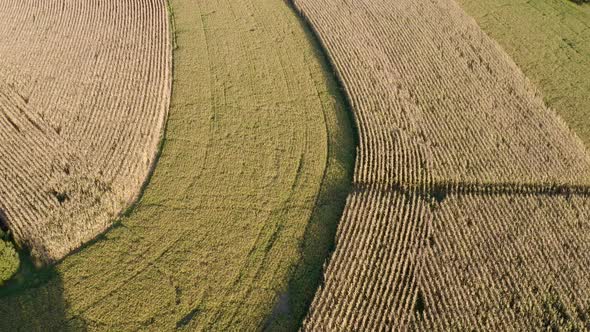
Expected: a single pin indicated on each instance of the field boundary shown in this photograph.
(444, 188)
(295, 293)
(406, 172)
(331, 66)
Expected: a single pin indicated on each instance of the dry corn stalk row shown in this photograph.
(372, 278)
(507, 262)
(473, 261)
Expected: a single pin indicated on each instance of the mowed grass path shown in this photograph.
(219, 232)
(550, 41)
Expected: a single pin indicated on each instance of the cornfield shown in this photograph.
(459, 161)
(84, 93)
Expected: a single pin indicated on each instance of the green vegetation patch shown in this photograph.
(255, 132)
(9, 260)
(550, 41)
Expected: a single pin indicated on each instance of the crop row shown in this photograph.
(371, 281)
(42, 175)
(473, 261)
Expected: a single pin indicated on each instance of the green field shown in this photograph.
(242, 207)
(550, 41)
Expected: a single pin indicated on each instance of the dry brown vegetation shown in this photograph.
(502, 262)
(371, 280)
(436, 99)
(549, 41)
(453, 139)
(475, 261)
(84, 94)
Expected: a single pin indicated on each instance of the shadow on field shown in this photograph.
(319, 237)
(33, 300)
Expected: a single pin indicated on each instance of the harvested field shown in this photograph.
(458, 155)
(550, 41)
(84, 93)
(212, 243)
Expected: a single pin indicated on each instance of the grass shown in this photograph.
(550, 41)
(256, 132)
(318, 242)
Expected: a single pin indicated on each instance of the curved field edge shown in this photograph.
(550, 41)
(318, 242)
(385, 222)
(27, 271)
(89, 290)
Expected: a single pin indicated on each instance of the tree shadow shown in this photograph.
(33, 300)
(3, 221)
(319, 238)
